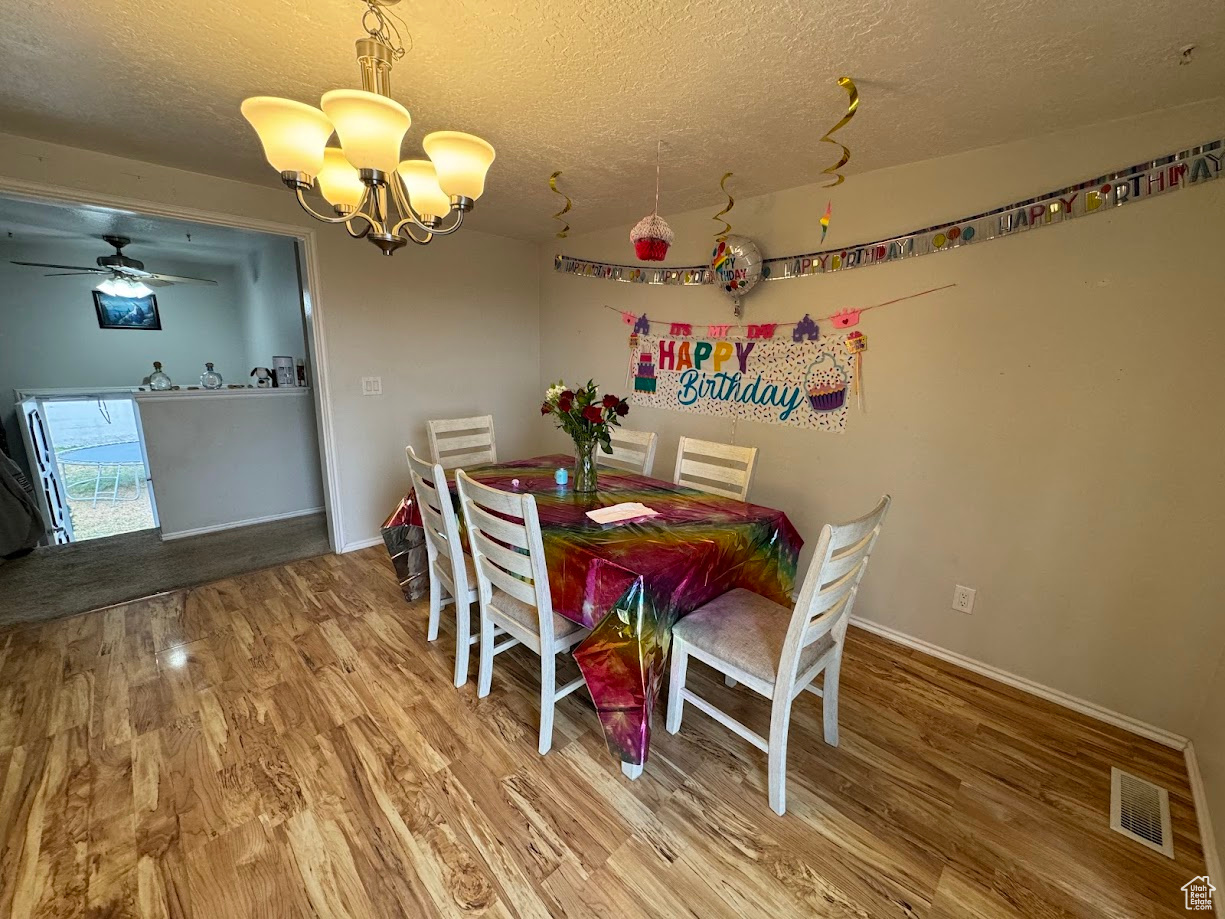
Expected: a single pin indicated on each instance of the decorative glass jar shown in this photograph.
(210, 379)
(158, 380)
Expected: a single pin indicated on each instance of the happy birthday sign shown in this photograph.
(1100, 195)
(772, 380)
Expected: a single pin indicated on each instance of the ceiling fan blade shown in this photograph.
(70, 274)
(175, 279)
(82, 268)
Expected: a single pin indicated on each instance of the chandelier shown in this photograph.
(375, 194)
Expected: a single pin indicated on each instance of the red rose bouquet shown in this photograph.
(587, 416)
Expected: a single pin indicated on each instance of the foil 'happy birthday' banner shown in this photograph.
(1136, 183)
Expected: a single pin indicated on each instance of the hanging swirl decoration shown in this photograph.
(565, 229)
(721, 236)
(835, 170)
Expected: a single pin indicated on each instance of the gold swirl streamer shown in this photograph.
(565, 229)
(849, 85)
(722, 235)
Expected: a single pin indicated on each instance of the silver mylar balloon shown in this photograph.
(737, 266)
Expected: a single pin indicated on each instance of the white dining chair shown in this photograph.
(456, 442)
(729, 475)
(448, 566)
(633, 451)
(775, 651)
(513, 587)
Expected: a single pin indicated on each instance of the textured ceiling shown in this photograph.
(587, 86)
(31, 222)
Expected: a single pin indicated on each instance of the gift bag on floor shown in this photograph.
(405, 542)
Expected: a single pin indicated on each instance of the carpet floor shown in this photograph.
(57, 581)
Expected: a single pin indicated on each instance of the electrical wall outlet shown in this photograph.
(963, 599)
(372, 386)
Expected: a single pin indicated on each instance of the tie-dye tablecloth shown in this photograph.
(631, 582)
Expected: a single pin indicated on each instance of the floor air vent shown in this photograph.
(1140, 810)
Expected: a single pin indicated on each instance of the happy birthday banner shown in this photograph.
(778, 381)
(1100, 195)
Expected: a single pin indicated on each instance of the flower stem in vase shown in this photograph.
(586, 475)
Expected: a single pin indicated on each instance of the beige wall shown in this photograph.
(1049, 429)
(1209, 738)
(450, 328)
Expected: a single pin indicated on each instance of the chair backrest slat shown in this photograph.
(831, 584)
(831, 594)
(456, 442)
(438, 516)
(731, 474)
(508, 554)
(506, 531)
(508, 559)
(633, 451)
(500, 577)
(839, 565)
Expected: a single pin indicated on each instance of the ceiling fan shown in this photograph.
(125, 277)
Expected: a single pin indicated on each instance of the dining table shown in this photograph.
(630, 582)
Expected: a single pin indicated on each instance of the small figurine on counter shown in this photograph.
(263, 378)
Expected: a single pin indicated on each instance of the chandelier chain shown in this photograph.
(380, 23)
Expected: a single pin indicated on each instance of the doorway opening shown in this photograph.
(90, 452)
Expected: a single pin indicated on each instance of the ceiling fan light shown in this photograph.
(339, 182)
(421, 181)
(370, 127)
(124, 287)
(461, 160)
(293, 133)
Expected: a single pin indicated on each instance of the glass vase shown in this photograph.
(585, 469)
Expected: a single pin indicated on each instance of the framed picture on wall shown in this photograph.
(127, 312)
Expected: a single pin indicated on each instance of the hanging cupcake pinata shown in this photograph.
(651, 235)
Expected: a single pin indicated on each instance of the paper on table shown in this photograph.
(618, 513)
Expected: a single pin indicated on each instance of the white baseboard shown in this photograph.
(1127, 723)
(1212, 858)
(216, 528)
(360, 544)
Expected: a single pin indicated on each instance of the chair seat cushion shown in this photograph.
(747, 631)
(444, 567)
(525, 614)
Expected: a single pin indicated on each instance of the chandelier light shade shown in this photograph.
(375, 194)
(339, 182)
(461, 160)
(371, 127)
(293, 134)
(421, 182)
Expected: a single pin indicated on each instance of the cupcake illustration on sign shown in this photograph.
(826, 382)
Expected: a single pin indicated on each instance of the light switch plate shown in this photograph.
(963, 599)
(372, 386)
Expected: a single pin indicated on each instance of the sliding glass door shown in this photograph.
(87, 453)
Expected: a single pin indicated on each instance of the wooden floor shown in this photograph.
(286, 743)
